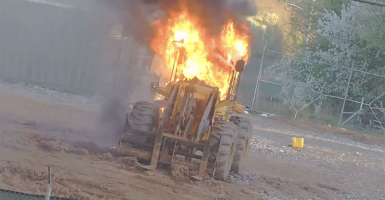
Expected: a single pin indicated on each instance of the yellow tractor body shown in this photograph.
(190, 124)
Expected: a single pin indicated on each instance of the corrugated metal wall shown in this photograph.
(57, 47)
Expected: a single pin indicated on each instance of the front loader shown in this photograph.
(191, 126)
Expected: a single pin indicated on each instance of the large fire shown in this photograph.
(182, 31)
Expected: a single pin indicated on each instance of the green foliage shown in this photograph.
(370, 28)
(339, 37)
(304, 22)
(264, 27)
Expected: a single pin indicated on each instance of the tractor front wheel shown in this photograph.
(243, 141)
(143, 117)
(223, 145)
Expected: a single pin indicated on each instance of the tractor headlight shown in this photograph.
(155, 85)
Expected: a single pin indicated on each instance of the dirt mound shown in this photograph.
(13, 175)
(35, 182)
(180, 172)
(56, 146)
(90, 146)
(128, 163)
(214, 185)
(53, 146)
(106, 156)
(24, 171)
(79, 151)
(82, 149)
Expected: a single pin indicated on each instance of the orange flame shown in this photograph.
(183, 31)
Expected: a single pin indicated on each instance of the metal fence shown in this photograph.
(60, 46)
(66, 46)
(274, 96)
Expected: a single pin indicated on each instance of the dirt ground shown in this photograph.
(36, 133)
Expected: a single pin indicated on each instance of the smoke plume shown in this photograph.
(211, 15)
(137, 17)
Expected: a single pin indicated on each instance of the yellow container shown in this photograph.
(297, 142)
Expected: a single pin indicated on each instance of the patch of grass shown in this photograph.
(333, 121)
(279, 109)
(379, 132)
(319, 118)
(323, 119)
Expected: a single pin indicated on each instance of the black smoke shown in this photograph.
(211, 15)
(135, 17)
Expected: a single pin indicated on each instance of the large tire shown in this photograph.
(243, 140)
(244, 123)
(223, 143)
(144, 116)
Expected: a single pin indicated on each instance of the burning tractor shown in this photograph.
(193, 125)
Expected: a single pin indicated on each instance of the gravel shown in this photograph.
(357, 168)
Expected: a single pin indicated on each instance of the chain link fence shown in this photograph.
(284, 87)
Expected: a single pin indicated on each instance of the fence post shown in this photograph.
(256, 91)
(358, 112)
(346, 95)
(49, 187)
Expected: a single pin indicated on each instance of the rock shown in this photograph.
(149, 173)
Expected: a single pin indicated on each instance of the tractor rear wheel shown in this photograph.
(243, 140)
(223, 144)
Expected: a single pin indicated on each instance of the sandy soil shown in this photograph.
(30, 139)
(35, 133)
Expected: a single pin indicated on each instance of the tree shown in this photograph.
(350, 38)
(304, 20)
